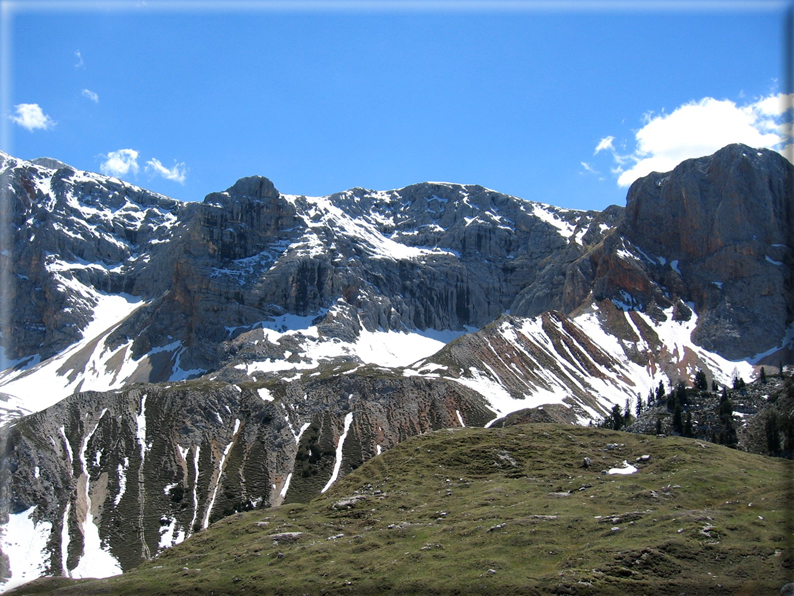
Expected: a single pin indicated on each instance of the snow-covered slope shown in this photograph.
(87, 365)
(110, 284)
(589, 362)
(71, 237)
(191, 360)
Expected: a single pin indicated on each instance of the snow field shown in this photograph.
(24, 542)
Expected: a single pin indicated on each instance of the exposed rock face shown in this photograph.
(70, 235)
(150, 465)
(734, 243)
(274, 304)
(436, 256)
(716, 233)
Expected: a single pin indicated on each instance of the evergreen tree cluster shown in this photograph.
(677, 402)
(727, 435)
(617, 418)
(779, 431)
(676, 411)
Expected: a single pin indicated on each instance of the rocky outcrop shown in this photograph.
(734, 215)
(715, 233)
(69, 236)
(124, 474)
(437, 256)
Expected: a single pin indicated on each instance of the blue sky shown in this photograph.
(546, 102)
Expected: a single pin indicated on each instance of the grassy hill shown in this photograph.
(500, 511)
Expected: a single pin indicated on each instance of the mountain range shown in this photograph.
(165, 363)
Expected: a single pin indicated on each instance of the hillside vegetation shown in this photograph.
(500, 511)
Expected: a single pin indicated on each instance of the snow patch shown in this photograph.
(285, 488)
(217, 480)
(626, 469)
(169, 536)
(265, 394)
(390, 349)
(140, 433)
(324, 215)
(195, 487)
(545, 213)
(339, 446)
(65, 539)
(773, 262)
(122, 472)
(24, 542)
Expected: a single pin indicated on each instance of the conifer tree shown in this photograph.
(617, 418)
(772, 429)
(680, 394)
(728, 433)
(660, 393)
(678, 425)
(788, 437)
(688, 430)
(738, 382)
(701, 382)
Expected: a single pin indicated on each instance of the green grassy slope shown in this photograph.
(499, 511)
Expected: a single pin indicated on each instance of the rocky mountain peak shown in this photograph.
(739, 195)
(718, 230)
(253, 187)
(49, 162)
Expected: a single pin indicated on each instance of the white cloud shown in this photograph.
(177, 173)
(120, 163)
(91, 95)
(31, 116)
(700, 128)
(588, 167)
(80, 63)
(774, 105)
(604, 144)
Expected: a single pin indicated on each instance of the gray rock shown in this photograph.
(140, 449)
(728, 221)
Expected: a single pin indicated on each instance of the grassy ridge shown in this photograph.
(499, 511)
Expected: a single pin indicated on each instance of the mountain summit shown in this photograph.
(168, 363)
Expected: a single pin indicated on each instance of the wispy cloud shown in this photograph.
(91, 95)
(120, 163)
(177, 173)
(32, 117)
(589, 168)
(80, 63)
(604, 145)
(700, 128)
